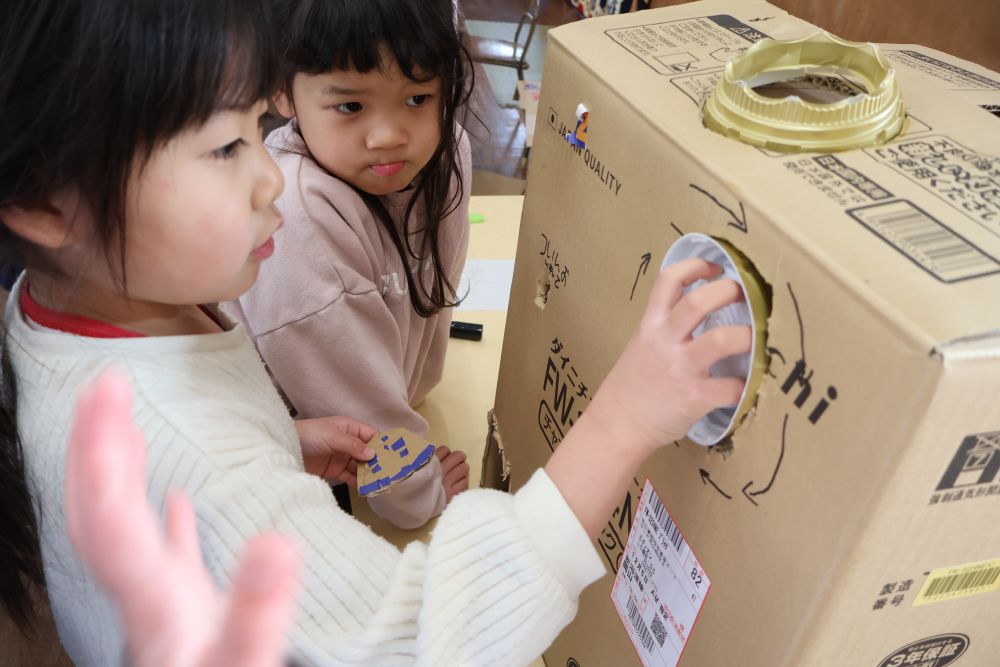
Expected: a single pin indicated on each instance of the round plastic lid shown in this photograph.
(791, 124)
(752, 310)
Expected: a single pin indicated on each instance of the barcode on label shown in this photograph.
(667, 523)
(926, 241)
(659, 631)
(962, 582)
(645, 636)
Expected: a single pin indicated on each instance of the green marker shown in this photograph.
(475, 218)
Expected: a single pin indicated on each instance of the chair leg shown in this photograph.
(520, 77)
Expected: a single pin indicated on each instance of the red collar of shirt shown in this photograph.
(77, 324)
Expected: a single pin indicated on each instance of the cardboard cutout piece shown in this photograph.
(398, 454)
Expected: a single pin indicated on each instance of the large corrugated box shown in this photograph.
(853, 518)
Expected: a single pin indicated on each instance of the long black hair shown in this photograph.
(89, 91)
(317, 36)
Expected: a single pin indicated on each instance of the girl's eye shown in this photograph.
(417, 100)
(349, 107)
(229, 150)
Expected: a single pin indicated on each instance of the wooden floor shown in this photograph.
(550, 12)
(497, 132)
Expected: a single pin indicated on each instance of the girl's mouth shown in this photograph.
(389, 169)
(264, 250)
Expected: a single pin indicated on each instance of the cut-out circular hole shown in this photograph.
(753, 310)
(818, 86)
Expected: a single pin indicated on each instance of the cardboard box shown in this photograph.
(852, 519)
(962, 27)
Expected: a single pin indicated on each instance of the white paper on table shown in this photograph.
(485, 284)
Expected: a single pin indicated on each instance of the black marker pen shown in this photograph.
(466, 330)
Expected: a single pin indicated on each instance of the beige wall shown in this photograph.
(969, 29)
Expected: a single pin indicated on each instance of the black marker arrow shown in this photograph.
(739, 222)
(751, 494)
(707, 479)
(643, 265)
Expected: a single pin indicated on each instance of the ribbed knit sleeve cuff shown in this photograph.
(557, 534)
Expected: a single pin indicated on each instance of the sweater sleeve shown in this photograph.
(346, 359)
(499, 579)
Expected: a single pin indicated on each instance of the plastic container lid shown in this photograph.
(753, 310)
(791, 124)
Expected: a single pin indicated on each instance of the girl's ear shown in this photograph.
(49, 226)
(283, 103)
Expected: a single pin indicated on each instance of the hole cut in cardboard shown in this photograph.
(753, 310)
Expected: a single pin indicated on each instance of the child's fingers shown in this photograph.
(442, 452)
(453, 459)
(365, 432)
(719, 343)
(359, 450)
(78, 440)
(697, 304)
(721, 392)
(455, 470)
(100, 479)
(181, 530)
(259, 613)
(669, 286)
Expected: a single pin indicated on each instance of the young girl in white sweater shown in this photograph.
(135, 188)
(353, 316)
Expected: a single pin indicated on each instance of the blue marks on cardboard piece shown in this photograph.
(399, 448)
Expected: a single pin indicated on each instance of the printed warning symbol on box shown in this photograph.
(678, 62)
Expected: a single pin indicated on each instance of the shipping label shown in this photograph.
(660, 587)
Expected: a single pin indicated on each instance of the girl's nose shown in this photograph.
(386, 136)
(270, 182)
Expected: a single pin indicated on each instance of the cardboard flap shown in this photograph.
(913, 227)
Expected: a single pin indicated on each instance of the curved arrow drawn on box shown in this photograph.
(706, 478)
(643, 265)
(751, 494)
(739, 222)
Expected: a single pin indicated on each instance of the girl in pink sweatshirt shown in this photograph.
(352, 316)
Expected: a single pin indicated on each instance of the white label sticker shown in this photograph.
(660, 587)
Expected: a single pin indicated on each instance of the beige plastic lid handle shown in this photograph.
(793, 125)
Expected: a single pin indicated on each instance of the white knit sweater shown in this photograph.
(499, 579)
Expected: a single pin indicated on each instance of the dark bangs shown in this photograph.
(207, 56)
(322, 35)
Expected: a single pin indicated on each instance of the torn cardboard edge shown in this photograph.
(495, 471)
(398, 454)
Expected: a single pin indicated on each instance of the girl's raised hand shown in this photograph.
(171, 611)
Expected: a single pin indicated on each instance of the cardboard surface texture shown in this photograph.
(851, 519)
(398, 454)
